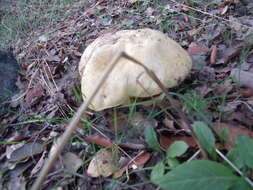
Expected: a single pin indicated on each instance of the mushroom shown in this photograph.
(165, 57)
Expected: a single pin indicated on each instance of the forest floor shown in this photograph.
(48, 39)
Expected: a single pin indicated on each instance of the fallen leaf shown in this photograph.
(203, 90)
(139, 161)
(222, 75)
(242, 115)
(105, 142)
(55, 58)
(194, 31)
(10, 149)
(169, 123)
(43, 38)
(77, 53)
(235, 24)
(33, 95)
(131, 145)
(103, 164)
(245, 93)
(132, 1)
(233, 132)
(224, 88)
(149, 12)
(249, 58)
(28, 150)
(243, 78)
(227, 54)
(196, 49)
(99, 140)
(184, 7)
(224, 10)
(18, 183)
(165, 141)
(71, 162)
(139, 119)
(213, 56)
(38, 165)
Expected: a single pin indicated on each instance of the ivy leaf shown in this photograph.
(151, 139)
(198, 175)
(178, 148)
(233, 156)
(205, 137)
(173, 162)
(157, 172)
(244, 146)
(241, 184)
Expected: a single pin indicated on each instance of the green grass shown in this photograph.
(23, 18)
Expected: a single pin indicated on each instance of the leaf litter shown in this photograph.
(50, 85)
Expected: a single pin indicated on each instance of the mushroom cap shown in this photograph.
(165, 57)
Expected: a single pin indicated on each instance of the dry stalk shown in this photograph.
(76, 118)
(234, 167)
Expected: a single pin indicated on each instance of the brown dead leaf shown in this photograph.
(131, 145)
(29, 149)
(99, 140)
(213, 56)
(103, 164)
(105, 142)
(203, 90)
(33, 95)
(139, 119)
(194, 49)
(224, 10)
(77, 53)
(242, 115)
(169, 123)
(233, 132)
(38, 165)
(221, 75)
(225, 55)
(184, 7)
(71, 162)
(166, 141)
(139, 161)
(221, 90)
(243, 78)
(245, 93)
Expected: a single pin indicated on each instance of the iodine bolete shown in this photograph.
(165, 57)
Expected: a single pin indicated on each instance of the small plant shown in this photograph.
(196, 106)
(197, 174)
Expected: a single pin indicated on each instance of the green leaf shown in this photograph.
(151, 139)
(224, 135)
(244, 145)
(178, 148)
(241, 185)
(234, 157)
(205, 137)
(173, 162)
(198, 175)
(157, 172)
